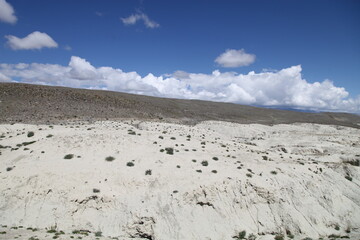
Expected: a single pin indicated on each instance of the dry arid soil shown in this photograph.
(81, 164)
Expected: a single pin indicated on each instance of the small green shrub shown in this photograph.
(68, 156)
(348, 178)
(204, 163)
(28, 143)
(148, 172)
(240, 235)
(279, 237)
(215, 158)
(109, 158)
(8, 169)
(98, 234)
(130, 164)
(30, 134)
(289, 234)
(173, 138)
(249, 175)
(49, 136)
(169, 151)
(354, 162)
(199, 171)
(273, 172)
(214, 171)
(95, 190)
(131, 132)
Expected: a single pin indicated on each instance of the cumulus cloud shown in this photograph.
(235, 58)
(7, 13)
(284, 87)
(132, 19)
(35, 40)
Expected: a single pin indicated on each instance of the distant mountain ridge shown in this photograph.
(48, 104)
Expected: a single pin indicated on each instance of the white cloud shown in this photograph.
(132, 19)
(7, 12)
(284, 87)
(235, 58)
(35, 40)
(4, 78)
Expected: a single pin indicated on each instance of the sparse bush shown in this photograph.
(33, 238)
(273, 172)
(251, 237)
(49, 136)
(148, 172)
(98, 234)
(169, 151)
(199, 171)
(194, 160)
(68, 156)
(289, 234)
(28, 143)
(249, 175)
(131, 132)
(240, 235)
(214, 171)
(95, 190)
(8, 169)
(354, 162)
(348, 178)
(173, 138)
(109, 158)
(30, 134)
(204, 163)
(265, 158)
(215, 158)
(130, 164)
(279, 237)
(178, 166)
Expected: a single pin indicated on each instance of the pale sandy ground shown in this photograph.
(267, 180)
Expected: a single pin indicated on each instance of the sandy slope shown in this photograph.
(266, 180)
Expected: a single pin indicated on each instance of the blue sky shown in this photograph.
(323, 37)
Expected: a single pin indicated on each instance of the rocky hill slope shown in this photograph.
(34, 103)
